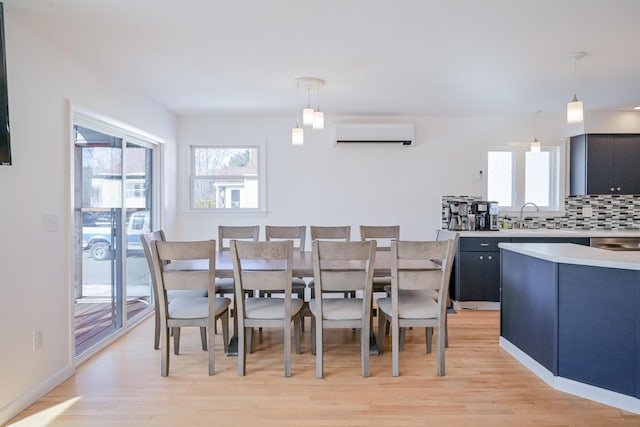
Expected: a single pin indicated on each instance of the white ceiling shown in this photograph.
(391, 57)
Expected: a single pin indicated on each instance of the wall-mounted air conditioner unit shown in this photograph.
(401, 134)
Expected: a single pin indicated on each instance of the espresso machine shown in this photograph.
(486, 215)
(463, 211)
(454, 217)
(481, 210)
(493, 216)
(458, 216)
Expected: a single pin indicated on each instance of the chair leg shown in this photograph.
(287, 349)
(297, 325)
(365, 347)
(249, 335)
(164, 348)
(156, 332)
(382, 321)
(318, 347)
(203, 337)
(446, 331)
(176, 341)
(440, 343)
(395, 347)
(242, 351)
(313, 336)
(211, 337)
(429, 338)
(225, 330)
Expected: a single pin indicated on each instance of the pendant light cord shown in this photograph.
(298, 104)
(535, 125)
(575, 85)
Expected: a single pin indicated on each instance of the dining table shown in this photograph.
(302, 267)
(302, 264)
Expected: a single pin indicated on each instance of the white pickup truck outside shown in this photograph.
(97, 240)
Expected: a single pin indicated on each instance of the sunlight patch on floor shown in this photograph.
(43, 418)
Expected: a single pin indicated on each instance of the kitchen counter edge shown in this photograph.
(569, 253)
(543, 232)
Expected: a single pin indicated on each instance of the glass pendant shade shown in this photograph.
(318, 120)
(535, 146)
(297, 136)
(574, 111)
(307, 116)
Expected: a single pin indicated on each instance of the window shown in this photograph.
(226, 177)
(516, 176)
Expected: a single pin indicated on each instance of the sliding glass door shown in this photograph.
(113, 205)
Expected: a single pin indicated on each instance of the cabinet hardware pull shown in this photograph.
(618, 188)
(489, 257)
(484, 244)
(611, 189)
(481, 257)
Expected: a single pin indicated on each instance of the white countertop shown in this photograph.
(545, 232)
(569, 253)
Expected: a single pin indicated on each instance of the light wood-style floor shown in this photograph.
(484, 386)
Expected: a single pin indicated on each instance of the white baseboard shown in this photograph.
(597, 394)
(32, 395)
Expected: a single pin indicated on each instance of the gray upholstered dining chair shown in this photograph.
(439, 236)
(259, 266)
(181, 312)
(227, 233)
(298, 235)
(418, 269)
(383, 235)
(454, 236)
(342, 267)
(331, 234)
(146, 239)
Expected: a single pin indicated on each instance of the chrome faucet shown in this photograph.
(525, 205)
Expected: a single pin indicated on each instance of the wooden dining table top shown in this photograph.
(302, 264)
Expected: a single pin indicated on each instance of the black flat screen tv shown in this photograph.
(5, 140)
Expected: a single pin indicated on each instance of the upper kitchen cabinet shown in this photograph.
(605, 164)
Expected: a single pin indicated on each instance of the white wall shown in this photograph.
(351, 185)
(35, 279)
(376, 185)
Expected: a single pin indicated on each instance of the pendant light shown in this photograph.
(575, 109)
(312, 118)
(535, 145)
(318, 116)
(307, 113)
(297, 133)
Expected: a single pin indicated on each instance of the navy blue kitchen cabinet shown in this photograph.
(604, 164)
(477, 265)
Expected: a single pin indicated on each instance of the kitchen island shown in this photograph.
(571, 314)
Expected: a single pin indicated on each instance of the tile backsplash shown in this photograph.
(613, 212)
(607, 212)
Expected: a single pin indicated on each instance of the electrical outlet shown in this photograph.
(587, 211)
(37, 339)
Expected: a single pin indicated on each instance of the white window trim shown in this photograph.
(262, 178)
(556, 179)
